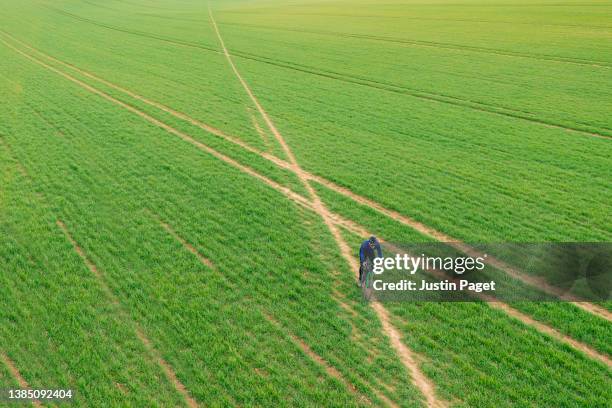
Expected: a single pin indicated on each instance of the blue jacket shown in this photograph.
(366, 252)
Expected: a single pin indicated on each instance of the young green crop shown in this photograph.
(183, 306)
(438, 160)
(229, 332)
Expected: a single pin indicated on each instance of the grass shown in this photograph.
(453, 129)
(460, 157)
(162, 287)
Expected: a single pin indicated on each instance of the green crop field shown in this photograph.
(184, 186)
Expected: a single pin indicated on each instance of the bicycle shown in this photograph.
(367, 279)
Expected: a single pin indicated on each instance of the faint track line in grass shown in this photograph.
(329, 369)
(430, 96)
(393, 214)
(133, 32)
(48, 123)
(420, 18)
(17, 375)
(203, 260)
(430, 44)
(20, 168)
(297, 198)
(478, 106)
(404, 353)
(166, 368)
(435, 44)
(260, 131)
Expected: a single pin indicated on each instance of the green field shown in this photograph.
(184, 187)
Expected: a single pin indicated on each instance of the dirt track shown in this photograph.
(406, 355)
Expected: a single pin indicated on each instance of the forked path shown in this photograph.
(418, 226)
(395, 215)
(405, 354)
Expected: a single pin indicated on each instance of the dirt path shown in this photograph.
(17, 375)
(404, 353)
(334, 218)
(167, 369)
(395, 215)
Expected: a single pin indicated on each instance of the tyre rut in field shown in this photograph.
(17, 375)
(166, 368)
(260, 131)
(436, 44)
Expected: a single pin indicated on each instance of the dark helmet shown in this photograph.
(373, 240)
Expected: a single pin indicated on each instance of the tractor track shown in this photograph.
(403, 17)
(17, 375)
(166, 368)
(436, 44)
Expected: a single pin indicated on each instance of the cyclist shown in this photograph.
(366, 251)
